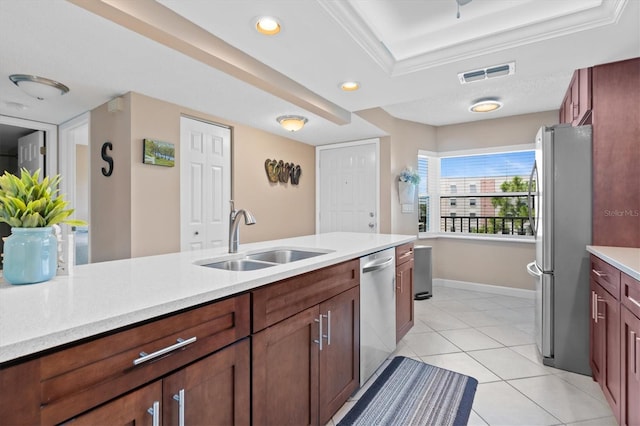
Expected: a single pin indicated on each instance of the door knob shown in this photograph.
(371, 225)
(196, 233)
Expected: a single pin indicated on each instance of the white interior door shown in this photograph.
(205, 181)
(31, 152)
(348, 187)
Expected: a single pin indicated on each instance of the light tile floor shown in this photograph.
(490, 337)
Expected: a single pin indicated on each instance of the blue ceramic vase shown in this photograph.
(30, 255)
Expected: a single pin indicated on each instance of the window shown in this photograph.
(480, 193)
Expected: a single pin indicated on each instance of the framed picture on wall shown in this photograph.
(158, 153)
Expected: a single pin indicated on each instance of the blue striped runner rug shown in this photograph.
(410, 392)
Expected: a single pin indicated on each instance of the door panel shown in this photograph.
(340, 355)
(285, 371)
(29, 156)
(348, 188)
(205, 184)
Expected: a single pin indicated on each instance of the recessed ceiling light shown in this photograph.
(485, 105)
(268, 25)
(292, 123)
(350, 86)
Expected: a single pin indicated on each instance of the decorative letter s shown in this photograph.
(107, 146)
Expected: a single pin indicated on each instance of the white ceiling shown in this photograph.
(405, 53)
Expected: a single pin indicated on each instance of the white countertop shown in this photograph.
(626, 259)
(101, 297)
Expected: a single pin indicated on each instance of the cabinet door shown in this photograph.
(136, 408)
(630, 407)
(607, 314)
(404, 299)
(596, 344)
(285, 371)
(340, 353)
(212, 391)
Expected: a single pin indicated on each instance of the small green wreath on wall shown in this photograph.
(279, 171)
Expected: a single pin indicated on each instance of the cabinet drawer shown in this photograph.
(404, 253)
(631, 294)
(78, 378)
(275, 302)
(606, 275)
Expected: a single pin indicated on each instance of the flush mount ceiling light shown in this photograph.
(268, 25)
(350, 86)
(485, 105)
(292, 123)
(487, 73)
(39, 87)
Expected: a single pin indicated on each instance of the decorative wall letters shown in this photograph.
(107, 146)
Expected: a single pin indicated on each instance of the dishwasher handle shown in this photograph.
(377, 265)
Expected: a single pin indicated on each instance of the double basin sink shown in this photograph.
(263, 259)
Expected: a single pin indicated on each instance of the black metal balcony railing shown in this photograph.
(486, 225)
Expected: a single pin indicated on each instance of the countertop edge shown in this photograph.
(626, 259)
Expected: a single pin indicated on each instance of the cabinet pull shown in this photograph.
(180, 398)
(599, 273)
(319, 341)
(155, 413)
(599, 316)
(634, 301)
(593, 306)
(328, 335)
(144, 357)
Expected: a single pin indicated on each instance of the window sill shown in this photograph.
(481, 237)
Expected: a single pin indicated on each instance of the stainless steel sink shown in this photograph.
(260, 260)
(239, 265)
(283, 255)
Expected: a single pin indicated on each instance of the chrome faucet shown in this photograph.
(234, 224)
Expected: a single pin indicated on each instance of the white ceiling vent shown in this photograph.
(485, 73)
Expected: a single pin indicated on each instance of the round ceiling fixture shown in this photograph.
(350, 86)
(292, 123)
(268, 25)
(39, 87)
(485, 105)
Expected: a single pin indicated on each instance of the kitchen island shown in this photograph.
(57, 337)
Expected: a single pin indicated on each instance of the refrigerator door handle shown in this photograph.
(533, 270)
(532, 219)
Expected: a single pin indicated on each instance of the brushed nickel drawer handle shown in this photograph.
(155, 413)
(144, 357)
(635, 302)
(599, 273)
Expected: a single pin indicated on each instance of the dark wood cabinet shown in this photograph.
(214, 390)
(630, 406)
(616, 154)
(404, 290)
(306, 365)
(136, 408)
(81, 378)
(576, 105)
(605, 344)
(630, 352)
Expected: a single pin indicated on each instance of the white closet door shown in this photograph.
(205, 180)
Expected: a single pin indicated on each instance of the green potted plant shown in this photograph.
(31, 207)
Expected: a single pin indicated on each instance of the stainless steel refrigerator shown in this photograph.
(560, 216)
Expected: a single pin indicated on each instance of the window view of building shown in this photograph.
(485, 193)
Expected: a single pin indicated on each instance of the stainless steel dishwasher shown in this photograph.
(377, 310)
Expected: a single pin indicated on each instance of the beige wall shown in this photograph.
(136, 211)
(110, 197)
(480, 261)
(397, 151)
(281, 209)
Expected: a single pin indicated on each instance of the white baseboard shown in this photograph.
(486, 288)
